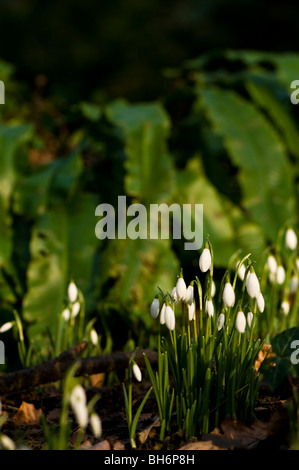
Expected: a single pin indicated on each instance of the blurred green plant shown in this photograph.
(226, 137)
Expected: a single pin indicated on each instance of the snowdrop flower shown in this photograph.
(294, 284)
(7, 443)
(96, 424)
(72, 292)
(66, 314)
(291, 240)
(221, 320)
(285, 307)
(280, 275)
(78, 403)
(252, 285)
(94, 337)
(240, 322)
(181, 288)
(6, 326)
(76, 309)
(228, 295)
(169, 318)
(241, 272)
(174, 295)
(249, 319)
(272, 264)
(137, 372)
(205, 260)
(260, 301)
(210, 308)
(191, 311)
(155, 308)
(162, 314)
(189, 297)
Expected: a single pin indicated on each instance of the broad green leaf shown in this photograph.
(47, 270)
(281, 116)
(265, 174)
(148, 165)
(223, 222)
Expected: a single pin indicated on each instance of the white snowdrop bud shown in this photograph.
(78, 403)
(291, 239)
(272, 264)
(7, 443)
(66, 314)
(137, 372)
(6, 326)
(221, 320)
(209, 308)
(241, 272)
(94, 337)
(260, 301)
(228, 295)
(191, 311)
(72, 292)
(155, 308)
(96, 424)
(181, 288)
(189, 295)
(169, 318)
(240, 322)
(280, 275)
(76, 309)
(174, 295)
(249, 319)
(252, 285)
(294, 284)
(162, 314)
(213, 290)
(285, 307)
(205, 260)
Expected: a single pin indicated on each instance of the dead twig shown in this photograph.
(55, 369)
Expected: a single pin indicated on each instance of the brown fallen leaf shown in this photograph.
(263, 353)
(243, 435)
(27, 413)
(201, 445)
(103, 445)
(143, 435)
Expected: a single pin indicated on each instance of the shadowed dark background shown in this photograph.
(123, 46)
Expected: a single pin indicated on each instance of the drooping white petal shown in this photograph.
(240, 322)
(221, 320)
(294, 284)
(209, 307)
(96, 424)
(6, 326)
(174, 295)
(249, 319)
(213, 290)
(280, 275)
(241, 272)
(252, 285)
(94, 337)
(78, 403)
(285, 307)
(169, 318)
(291, 240)
(72, 292)
(76, 309)
(272, 264)
(228, 295)
(162, 314)
(191, 311)
(189, 295)
(260, 301)
(181, 288)
(155, 308)
(137, 372)
(205, 260)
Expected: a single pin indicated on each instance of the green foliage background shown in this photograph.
(225, 136)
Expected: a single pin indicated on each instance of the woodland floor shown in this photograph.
(269, 429)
